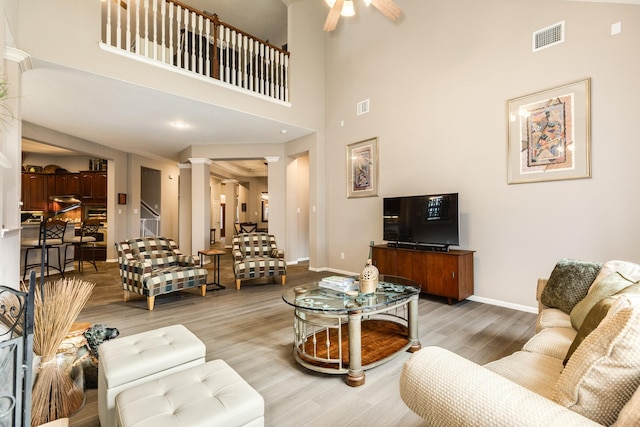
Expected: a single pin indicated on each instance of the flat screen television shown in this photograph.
(429, 222)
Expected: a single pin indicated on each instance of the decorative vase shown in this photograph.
(369, 278)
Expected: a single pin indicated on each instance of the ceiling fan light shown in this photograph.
(330, 2)
(348, 9)
(367, 2)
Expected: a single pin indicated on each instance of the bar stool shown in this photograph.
(88, 236)
(54, 231)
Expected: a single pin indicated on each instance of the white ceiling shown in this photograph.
(136, 119)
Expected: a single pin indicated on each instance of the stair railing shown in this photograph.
(177, 34)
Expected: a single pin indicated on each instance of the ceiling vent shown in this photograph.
(362, 107)
(548, 37)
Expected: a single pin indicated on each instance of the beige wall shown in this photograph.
(438, 83)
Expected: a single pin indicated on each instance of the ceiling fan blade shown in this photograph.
(388, 8)
(122, 3)
(333, 16)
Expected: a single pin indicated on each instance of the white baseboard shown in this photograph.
(505, 304)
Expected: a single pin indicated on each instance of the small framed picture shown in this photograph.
(362, 168)
(122, 198)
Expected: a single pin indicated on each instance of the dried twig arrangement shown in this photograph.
(55, 394)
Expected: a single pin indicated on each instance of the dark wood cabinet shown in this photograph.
(35, 191)
(67, 184)
(447, 274)
(93, 186)
(37, 188)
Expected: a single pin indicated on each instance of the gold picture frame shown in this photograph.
(362, 168)
(549, 134)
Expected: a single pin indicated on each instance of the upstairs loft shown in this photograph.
(198, 43)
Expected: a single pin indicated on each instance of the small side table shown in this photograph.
(215, 253)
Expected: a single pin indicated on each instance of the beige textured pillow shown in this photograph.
(604, 371)
(600, 290)
(630, 414)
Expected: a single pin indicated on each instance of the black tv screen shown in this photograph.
(427, 220)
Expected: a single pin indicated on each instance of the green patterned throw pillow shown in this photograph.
(569, 283)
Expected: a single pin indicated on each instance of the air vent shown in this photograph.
(548, 37)
(362, 107)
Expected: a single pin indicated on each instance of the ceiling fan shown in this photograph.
(346, 8)
(122, 3)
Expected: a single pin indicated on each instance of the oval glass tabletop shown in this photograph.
(315, 297)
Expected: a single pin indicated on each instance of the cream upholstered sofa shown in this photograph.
(581, 368)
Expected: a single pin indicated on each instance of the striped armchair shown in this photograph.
(257, 255)
(152, 266)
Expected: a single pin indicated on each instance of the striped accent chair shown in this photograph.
(152, 266)
(257, 255)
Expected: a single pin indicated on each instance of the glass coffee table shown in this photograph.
(349, 332)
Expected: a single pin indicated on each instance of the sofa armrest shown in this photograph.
(237, 256)
(141, 268)
(277, 253)
(447, 390)
(541, 284)
(188, 260)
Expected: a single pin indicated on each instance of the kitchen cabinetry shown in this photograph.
(36, 188)
(93, 186)
(447, 274)
(67, 184)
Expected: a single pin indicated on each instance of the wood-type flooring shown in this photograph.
(252, 330)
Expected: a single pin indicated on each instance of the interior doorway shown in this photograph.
(150, 201)
(223, 215)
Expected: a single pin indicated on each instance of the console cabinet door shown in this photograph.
(385, 260)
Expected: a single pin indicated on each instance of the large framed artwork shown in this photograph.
(550, 134)
(362, 168)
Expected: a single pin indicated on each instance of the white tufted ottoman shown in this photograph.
(207, 395)
(128, 361)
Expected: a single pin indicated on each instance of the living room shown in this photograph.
(438, 81)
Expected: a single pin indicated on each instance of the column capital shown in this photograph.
(200, 160)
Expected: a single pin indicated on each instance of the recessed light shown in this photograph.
(179, 125)
(283, 131)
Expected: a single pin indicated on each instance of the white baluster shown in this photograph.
(171, 32)
(251, 64)
(118, 27)
(187, 43)
(227, 68)
(128, 31)
(286, 78)
(107, 30)
(146, 28)
(245, 83)
(262, 68)
(271, 73)
(202, 42)
(257, 60)
(138, 37)
(221, 53)
(233, 57)
(154, 43)
(277, 74)
(163, 24)
(209, 47)
(181, 40)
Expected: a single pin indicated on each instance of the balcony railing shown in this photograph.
(177, 34)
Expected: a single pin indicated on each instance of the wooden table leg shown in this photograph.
(355, 376)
